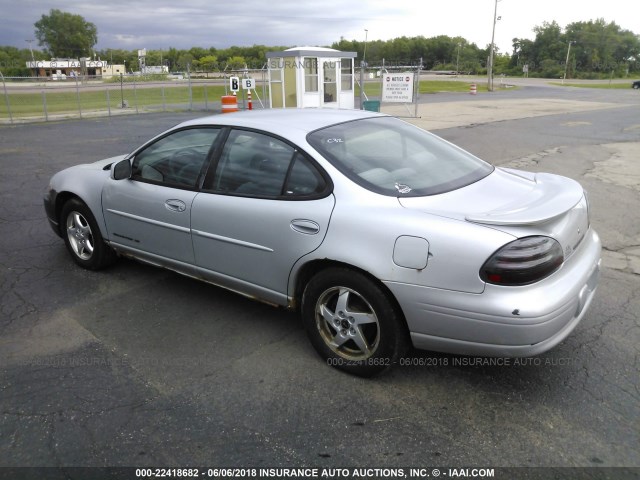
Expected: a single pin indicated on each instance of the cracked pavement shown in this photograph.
(136, 366)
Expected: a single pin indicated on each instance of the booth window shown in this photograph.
(276, 76)
(310, 74)
(330, 85)
(347, 74)
(275, 79)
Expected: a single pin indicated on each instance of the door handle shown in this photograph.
(308, 227)
(175, 205)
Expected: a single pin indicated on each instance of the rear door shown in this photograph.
(265, 206)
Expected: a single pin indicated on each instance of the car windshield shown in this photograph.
(391, 157)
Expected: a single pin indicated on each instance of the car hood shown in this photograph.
(102, 164)
(505, 197)
(70, 172)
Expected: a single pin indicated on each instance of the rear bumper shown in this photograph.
(504, 321)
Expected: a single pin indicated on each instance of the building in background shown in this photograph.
(61, 68)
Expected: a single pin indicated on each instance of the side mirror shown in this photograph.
(121, 170)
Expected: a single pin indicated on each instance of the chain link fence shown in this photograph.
(38, 99)
(43, 99)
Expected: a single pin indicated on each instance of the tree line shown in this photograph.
(590, 49)
(593, 49)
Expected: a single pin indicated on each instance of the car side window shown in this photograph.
(176, 160)
(255, 164)
(304, 179)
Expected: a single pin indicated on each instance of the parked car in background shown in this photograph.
(379, 233)
(636, 84)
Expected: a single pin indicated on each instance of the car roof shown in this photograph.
(284, 121)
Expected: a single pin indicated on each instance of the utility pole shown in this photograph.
(492, 48)
(566, 63)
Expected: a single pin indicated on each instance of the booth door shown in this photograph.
(330, 74)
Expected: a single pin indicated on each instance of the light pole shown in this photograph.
(33, 60)
(122, 102)
(364, 55)
(493, 36)
(566, 63)
(30, 41)
(121, 91)
(363, 65)
(458, 59)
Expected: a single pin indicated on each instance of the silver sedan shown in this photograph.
(382, 235)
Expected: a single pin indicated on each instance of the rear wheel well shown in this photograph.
(351, 318)
(312, 268)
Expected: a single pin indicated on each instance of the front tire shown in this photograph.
(83, 238)
(352, 322)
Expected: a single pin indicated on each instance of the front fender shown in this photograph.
(81, 181)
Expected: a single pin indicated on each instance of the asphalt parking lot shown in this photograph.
(135, 366)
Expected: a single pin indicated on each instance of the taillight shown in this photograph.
(523, 261)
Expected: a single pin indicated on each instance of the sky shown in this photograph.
(182, 24)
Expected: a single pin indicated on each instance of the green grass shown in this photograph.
(439, 86)
(94, 99)
(374, 89)
(618, 86)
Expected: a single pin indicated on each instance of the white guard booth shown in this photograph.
(304, 77)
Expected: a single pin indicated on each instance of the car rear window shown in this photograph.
(394, 158)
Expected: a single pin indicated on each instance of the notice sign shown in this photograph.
(397, 87)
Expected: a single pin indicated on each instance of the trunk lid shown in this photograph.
(518, 203)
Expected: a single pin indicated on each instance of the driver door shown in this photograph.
(149, 214)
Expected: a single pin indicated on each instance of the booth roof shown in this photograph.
(311, 52)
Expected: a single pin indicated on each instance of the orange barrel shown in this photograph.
(229, 103)
(473, 89)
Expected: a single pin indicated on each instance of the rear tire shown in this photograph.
(352, 322)
(83, 238)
